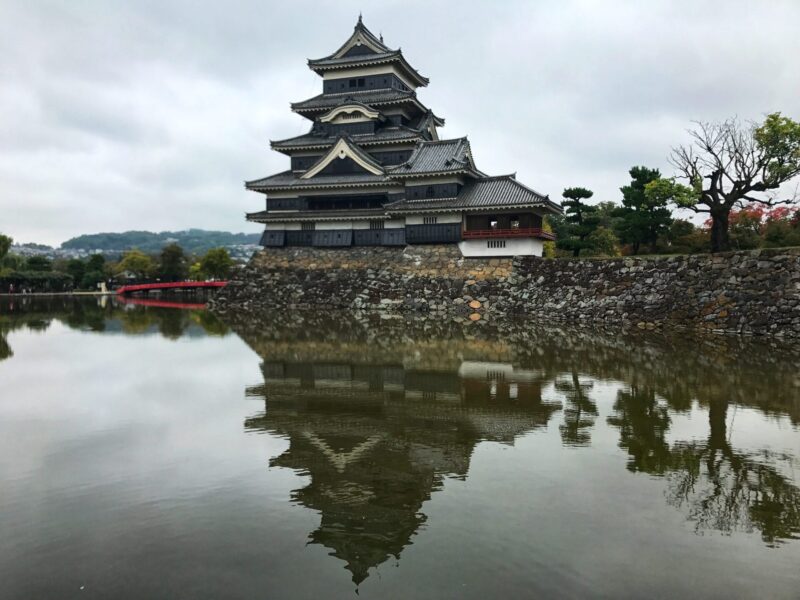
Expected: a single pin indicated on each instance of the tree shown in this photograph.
(729, 165)
(39, 264)
(603, 242)
(136, 262)
(173, 265)
(196, 272)
(96, 262)
(11, 262)
(216, 263)
(781, 227)
(548, 248)
(580, 220)
(684, 237)
(94, 272)
(643, 218)
(76, 268)
(745, 227)
(5, 245)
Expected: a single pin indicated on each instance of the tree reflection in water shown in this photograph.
(379, 411)
(102, 315)
(720, 488)
(579, 412)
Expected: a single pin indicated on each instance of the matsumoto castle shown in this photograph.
(372, 171)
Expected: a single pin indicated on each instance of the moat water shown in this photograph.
(150, 452)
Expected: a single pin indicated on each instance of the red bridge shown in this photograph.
(175, 285)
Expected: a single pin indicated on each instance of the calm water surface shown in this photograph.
(151, 452)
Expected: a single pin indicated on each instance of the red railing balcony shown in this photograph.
(481, 234)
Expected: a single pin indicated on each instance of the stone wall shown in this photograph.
(755, 292)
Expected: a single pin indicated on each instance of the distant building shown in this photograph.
(372, 170)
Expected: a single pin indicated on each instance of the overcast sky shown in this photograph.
(151, 114)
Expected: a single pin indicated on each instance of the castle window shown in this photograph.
(360, 82)
(429, 220)
(496, 244)
(430, 192)
(352, 83)
(514, 222)
(307, 226)
(376, 224)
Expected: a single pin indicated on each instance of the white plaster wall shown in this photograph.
(514, 247)
(389, 224)
(334, 225)
(418, 219)
(282, 226)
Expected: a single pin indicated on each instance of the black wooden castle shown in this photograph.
(373, 171)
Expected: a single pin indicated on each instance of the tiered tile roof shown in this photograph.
(440, 157)
(503, 191)
(379, 53)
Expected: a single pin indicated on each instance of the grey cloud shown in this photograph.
(150, 114)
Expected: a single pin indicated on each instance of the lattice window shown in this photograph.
(307, 226)
(429, 220)
(376, 224)
(495, 243)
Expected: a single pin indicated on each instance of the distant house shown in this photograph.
(372, 171)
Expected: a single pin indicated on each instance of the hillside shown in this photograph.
(192, 240)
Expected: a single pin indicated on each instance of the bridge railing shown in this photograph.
(172, 285)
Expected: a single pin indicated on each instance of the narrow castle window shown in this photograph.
(429, 220)
(376, 224)
(307, 226)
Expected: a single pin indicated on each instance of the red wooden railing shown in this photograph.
(508, 233)
(173, 285)
(162, 303)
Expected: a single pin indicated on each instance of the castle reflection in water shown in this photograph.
(376, 440)
(378, 413)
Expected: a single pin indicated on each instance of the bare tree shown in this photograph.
(729, 164)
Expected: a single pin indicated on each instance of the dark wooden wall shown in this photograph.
(437, 190)
(370, 82)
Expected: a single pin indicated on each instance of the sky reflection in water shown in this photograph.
(156, 452)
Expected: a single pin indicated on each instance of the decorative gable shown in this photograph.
(350, 113)
(343, 150)
(363, 41)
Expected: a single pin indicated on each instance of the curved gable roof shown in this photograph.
(379, 53)
(361, 35)
(344, 148)
(438, 156)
